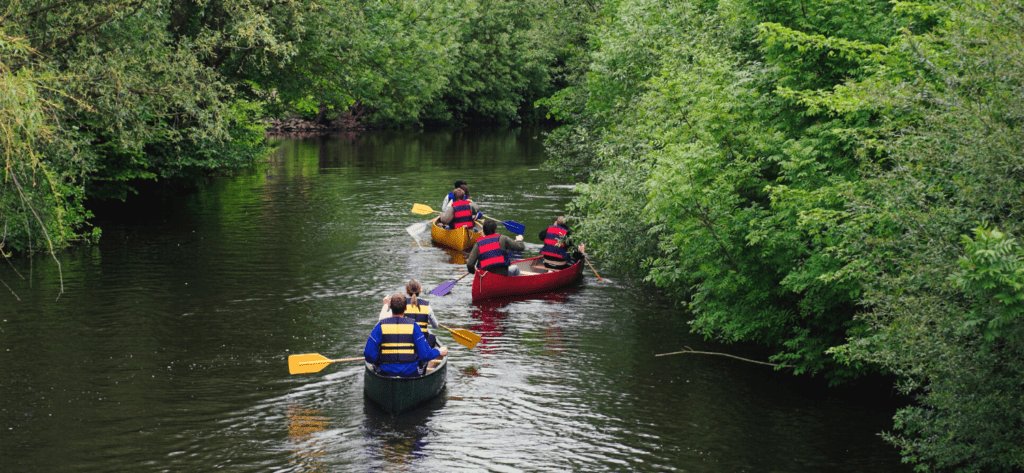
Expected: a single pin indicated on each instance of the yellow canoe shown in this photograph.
(461, 239)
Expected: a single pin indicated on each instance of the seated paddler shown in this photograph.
(490, 252)
(419, 310)
(397, 346)
(450, 197)
(556, 246)
(463, 213)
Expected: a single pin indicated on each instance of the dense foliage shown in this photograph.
(98, 96)
(804, 174)
(840, 181)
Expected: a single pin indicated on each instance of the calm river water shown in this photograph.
(167, 349)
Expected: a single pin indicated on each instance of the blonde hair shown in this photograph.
(413, 288)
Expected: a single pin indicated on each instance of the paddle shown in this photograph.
(592, 268)
(464, 337)
(421, 209)
(311, 362)
(444, 288)
(514, 227)
(416, 229)
(510, 225)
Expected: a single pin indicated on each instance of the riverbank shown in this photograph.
(279, 127)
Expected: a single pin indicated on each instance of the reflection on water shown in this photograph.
(398, 441)
(168, 349)
(303, 424)
(454, 256)
(489, 325)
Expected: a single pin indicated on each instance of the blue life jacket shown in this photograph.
(397, 344)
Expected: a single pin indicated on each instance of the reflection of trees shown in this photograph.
(303, 423)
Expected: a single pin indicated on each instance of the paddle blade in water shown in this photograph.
(422, 209)
(308, 363)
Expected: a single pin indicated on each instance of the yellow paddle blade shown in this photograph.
(423, 209)
(308, 363)
(464, 337)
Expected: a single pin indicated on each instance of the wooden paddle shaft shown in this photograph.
(324, 362)
(592, 269)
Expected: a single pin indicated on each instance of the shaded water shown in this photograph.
(167, 349)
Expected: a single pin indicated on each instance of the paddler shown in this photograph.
(490, 252)
(462, 212)
(556, 245)
(448, 199)
(419, 310)
(397, 346)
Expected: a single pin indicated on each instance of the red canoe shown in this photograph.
(533, 278)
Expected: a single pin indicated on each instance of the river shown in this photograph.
(166, 349)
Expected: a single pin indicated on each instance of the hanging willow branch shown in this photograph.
(690, 350)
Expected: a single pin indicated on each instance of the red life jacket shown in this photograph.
(553, 247)
(463, 214)
(490, 253)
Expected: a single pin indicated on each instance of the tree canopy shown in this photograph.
(100, 96)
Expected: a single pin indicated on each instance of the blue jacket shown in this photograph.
(407, 370)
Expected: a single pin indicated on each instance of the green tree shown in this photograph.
(806, 187)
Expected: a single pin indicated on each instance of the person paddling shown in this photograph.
(448, 199)
(556, 245)
(462, 213)
(397, 346)
(490, 252)
(419, 310)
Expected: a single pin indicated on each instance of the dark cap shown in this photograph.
(460, 183)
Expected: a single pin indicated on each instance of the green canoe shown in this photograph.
(395, 394)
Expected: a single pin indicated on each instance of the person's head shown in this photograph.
(465, 189)
(459, 184)
(560, 221)
(413, 289)
(490, 227)
(398, 304)
(459, 194)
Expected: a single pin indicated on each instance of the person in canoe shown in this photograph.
(490, 252)
(556, 246)
(397, 346)
(419, 310)
(448, 199)
(462, 213)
